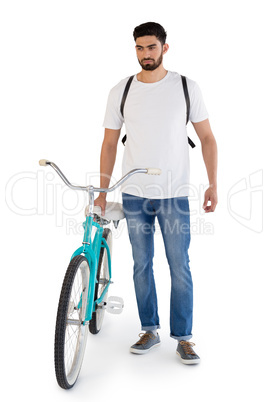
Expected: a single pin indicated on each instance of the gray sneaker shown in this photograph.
(147, 341)
(186, 353)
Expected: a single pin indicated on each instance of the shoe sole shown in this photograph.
(190, 361)
(143, 351)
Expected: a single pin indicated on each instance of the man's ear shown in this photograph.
(165, 48)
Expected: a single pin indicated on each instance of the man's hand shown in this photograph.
(101, 202)
(210, 195)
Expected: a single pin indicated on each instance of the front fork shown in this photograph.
(91, 251)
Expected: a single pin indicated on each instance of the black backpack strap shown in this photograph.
(124, 97)
(124, 139)
(123, 101)
(187, 100)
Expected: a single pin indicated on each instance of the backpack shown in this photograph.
(187, 100)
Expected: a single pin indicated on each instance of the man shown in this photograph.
(154, 116)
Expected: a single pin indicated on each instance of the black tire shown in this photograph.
(103, 277)
(71, 334)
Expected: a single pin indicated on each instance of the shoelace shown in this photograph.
(144, 338)
(187, 347)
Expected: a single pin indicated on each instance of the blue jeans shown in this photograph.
(174, 219)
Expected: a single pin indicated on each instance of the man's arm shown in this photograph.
(209, 151)
(107, 161)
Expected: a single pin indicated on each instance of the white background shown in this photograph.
(59, 60)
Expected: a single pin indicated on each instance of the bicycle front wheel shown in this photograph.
(71, 331)
(103, 278)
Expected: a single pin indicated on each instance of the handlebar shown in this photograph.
(90, 188)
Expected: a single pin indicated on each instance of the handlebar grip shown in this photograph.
(43, 162)
(154, 171)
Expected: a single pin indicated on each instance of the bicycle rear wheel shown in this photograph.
(103, 278)
(71, 332)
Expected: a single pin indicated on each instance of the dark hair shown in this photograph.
(152, 29)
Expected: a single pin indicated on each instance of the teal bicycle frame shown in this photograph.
(91, 250)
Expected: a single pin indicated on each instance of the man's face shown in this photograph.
(150, 52)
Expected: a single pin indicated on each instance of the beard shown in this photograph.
(151, 66)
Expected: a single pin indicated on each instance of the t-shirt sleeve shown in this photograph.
(198, 111)
(113, 118)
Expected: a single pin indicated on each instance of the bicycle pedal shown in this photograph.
(115, 305)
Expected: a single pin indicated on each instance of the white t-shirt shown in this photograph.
(155, 117)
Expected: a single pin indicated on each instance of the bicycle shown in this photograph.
(84, 293)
